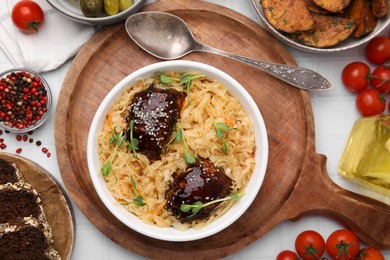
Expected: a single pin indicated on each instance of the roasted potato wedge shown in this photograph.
(380, 8)
(334, 6)
(328, 31)
(360, 11)
(289, 16)
(315, 8)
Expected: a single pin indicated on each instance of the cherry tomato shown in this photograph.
(355, 76)
(380, 79)
(342, 244)
(310, 245)
(370, 253)
(27, 16)
(378, 50)
(287, 255)
(370, 103)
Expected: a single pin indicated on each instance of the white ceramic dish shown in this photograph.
(345, 45)
(71, 9)
(261, 155)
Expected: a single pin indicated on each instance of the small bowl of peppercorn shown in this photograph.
(25, 100)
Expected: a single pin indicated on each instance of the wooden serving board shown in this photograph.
(296, 181)
(57, 207)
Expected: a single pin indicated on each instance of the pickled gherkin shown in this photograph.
(124, 4)
(92, 8)
(111, 6)
(366, 157)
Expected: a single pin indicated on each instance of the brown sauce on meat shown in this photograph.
(155, 112)
(203, 182)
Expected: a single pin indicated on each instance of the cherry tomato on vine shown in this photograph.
(27, 16)
(380, 79)
(342, 244)
(370, 253)
(310, 245)
(378, 50)
(355, 76)
(370, 103)
(287, 255)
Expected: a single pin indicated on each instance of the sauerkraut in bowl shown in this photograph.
(177, 150)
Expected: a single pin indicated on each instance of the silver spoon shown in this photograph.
(168, 37)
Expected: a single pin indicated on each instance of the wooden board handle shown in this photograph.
(316, 193)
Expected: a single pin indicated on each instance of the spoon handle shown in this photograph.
(297, 76)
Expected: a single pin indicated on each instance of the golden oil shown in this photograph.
(366, 157)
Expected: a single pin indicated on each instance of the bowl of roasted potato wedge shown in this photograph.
(324, 25)
(97, 12)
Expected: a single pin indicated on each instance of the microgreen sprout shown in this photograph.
(133, 143)
(194, 208)
(118, 138)
(186, 79)
(179, 137)
(139, 200)
(221, 130)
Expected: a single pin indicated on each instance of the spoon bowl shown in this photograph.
(168, 37)
(161, 35)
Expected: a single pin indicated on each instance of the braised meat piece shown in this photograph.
(203, 182)
(155, 112)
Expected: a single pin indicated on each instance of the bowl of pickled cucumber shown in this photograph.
(97, 12)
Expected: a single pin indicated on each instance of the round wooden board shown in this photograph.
(56, 205)
(294, 170)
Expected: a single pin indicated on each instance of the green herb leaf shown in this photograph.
(118, 138)
(222, 126)
(220, 134)
(195, 207)
(165, 79)
(188, 158)
(185, 207)
(133, 185)
(133, 143)
(224, 146)
(139, 200)
(221, 129)
(236, 196)
(185, 78)
(106, 168)
(179, 136)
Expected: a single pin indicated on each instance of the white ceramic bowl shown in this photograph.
(349, 43)
(71, 9)
(261, 155)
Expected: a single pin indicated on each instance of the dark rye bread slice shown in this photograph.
(9, 173)
(19, 200)
(26, 239)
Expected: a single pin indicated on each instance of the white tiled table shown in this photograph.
(334, 113)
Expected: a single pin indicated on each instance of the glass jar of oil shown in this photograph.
(366, 157)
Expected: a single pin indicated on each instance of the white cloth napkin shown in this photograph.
(57, 40)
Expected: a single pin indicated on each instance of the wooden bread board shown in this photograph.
(296, 181)
(55, 203)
